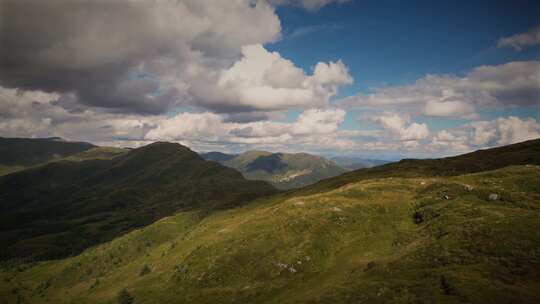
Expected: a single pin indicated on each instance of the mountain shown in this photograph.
(218, 156)
(283, 170)
(18, 153)
(355, 163)
(409, 236)
(62, 207)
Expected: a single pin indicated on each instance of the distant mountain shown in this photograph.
(218, 156)
(523, 153)
(283, 170)
(18, 153)
(354, 163)
(62, 207)
(417, 231)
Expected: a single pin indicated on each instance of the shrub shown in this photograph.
(145, 270)
(125, 298)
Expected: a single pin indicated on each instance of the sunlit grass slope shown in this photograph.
(387, 240)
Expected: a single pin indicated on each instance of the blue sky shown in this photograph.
(397, 42)
(349, 77)
(389, 43)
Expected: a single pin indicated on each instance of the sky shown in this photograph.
(379, 79)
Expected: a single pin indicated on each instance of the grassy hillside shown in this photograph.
(19, 153)
(523, 153)
(472, 238)
(283, 170)
(355, 163)
(97, 153)
(60, 208)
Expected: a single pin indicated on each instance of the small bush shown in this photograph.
(125, 298)
(145, 270)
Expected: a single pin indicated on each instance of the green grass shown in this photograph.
(382, 240)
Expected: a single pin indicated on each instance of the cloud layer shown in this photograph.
(521, 41)
(510, 84)
(129, 72)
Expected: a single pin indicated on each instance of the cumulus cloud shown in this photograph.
(402, 128)
(520, 41)
(263, 80)
(34, 114)
(510, 84)
(148, 57)
(485, 133)
(128, 55)
(213, 127)
(504, 131)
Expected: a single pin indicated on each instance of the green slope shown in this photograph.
(355, 163)
(62, 207)
(19, 153)
(383, 240)
(283, 170)
(97, 153)
(523, 153)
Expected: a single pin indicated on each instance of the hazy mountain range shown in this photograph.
(159, 224)
(283, 170)
(354, 163)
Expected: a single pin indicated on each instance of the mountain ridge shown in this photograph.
(100, 199)
(283, 170)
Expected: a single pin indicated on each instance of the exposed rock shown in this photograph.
(493, 196)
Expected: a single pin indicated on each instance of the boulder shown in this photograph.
(493, 196)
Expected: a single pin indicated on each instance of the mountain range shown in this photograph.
(462, 229)
(283, 170)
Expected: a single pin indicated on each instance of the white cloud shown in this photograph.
(455, 108)
(485, 133)
(513, 130)
(212, 127)
(263, 80)
(127, 55)
(402, 128)
(510, 84)
(523, 40)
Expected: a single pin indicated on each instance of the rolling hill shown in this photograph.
(523, 153)
(355, 163)
(20, 153)
(466, 238)
(283, 170)
(62, 207)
